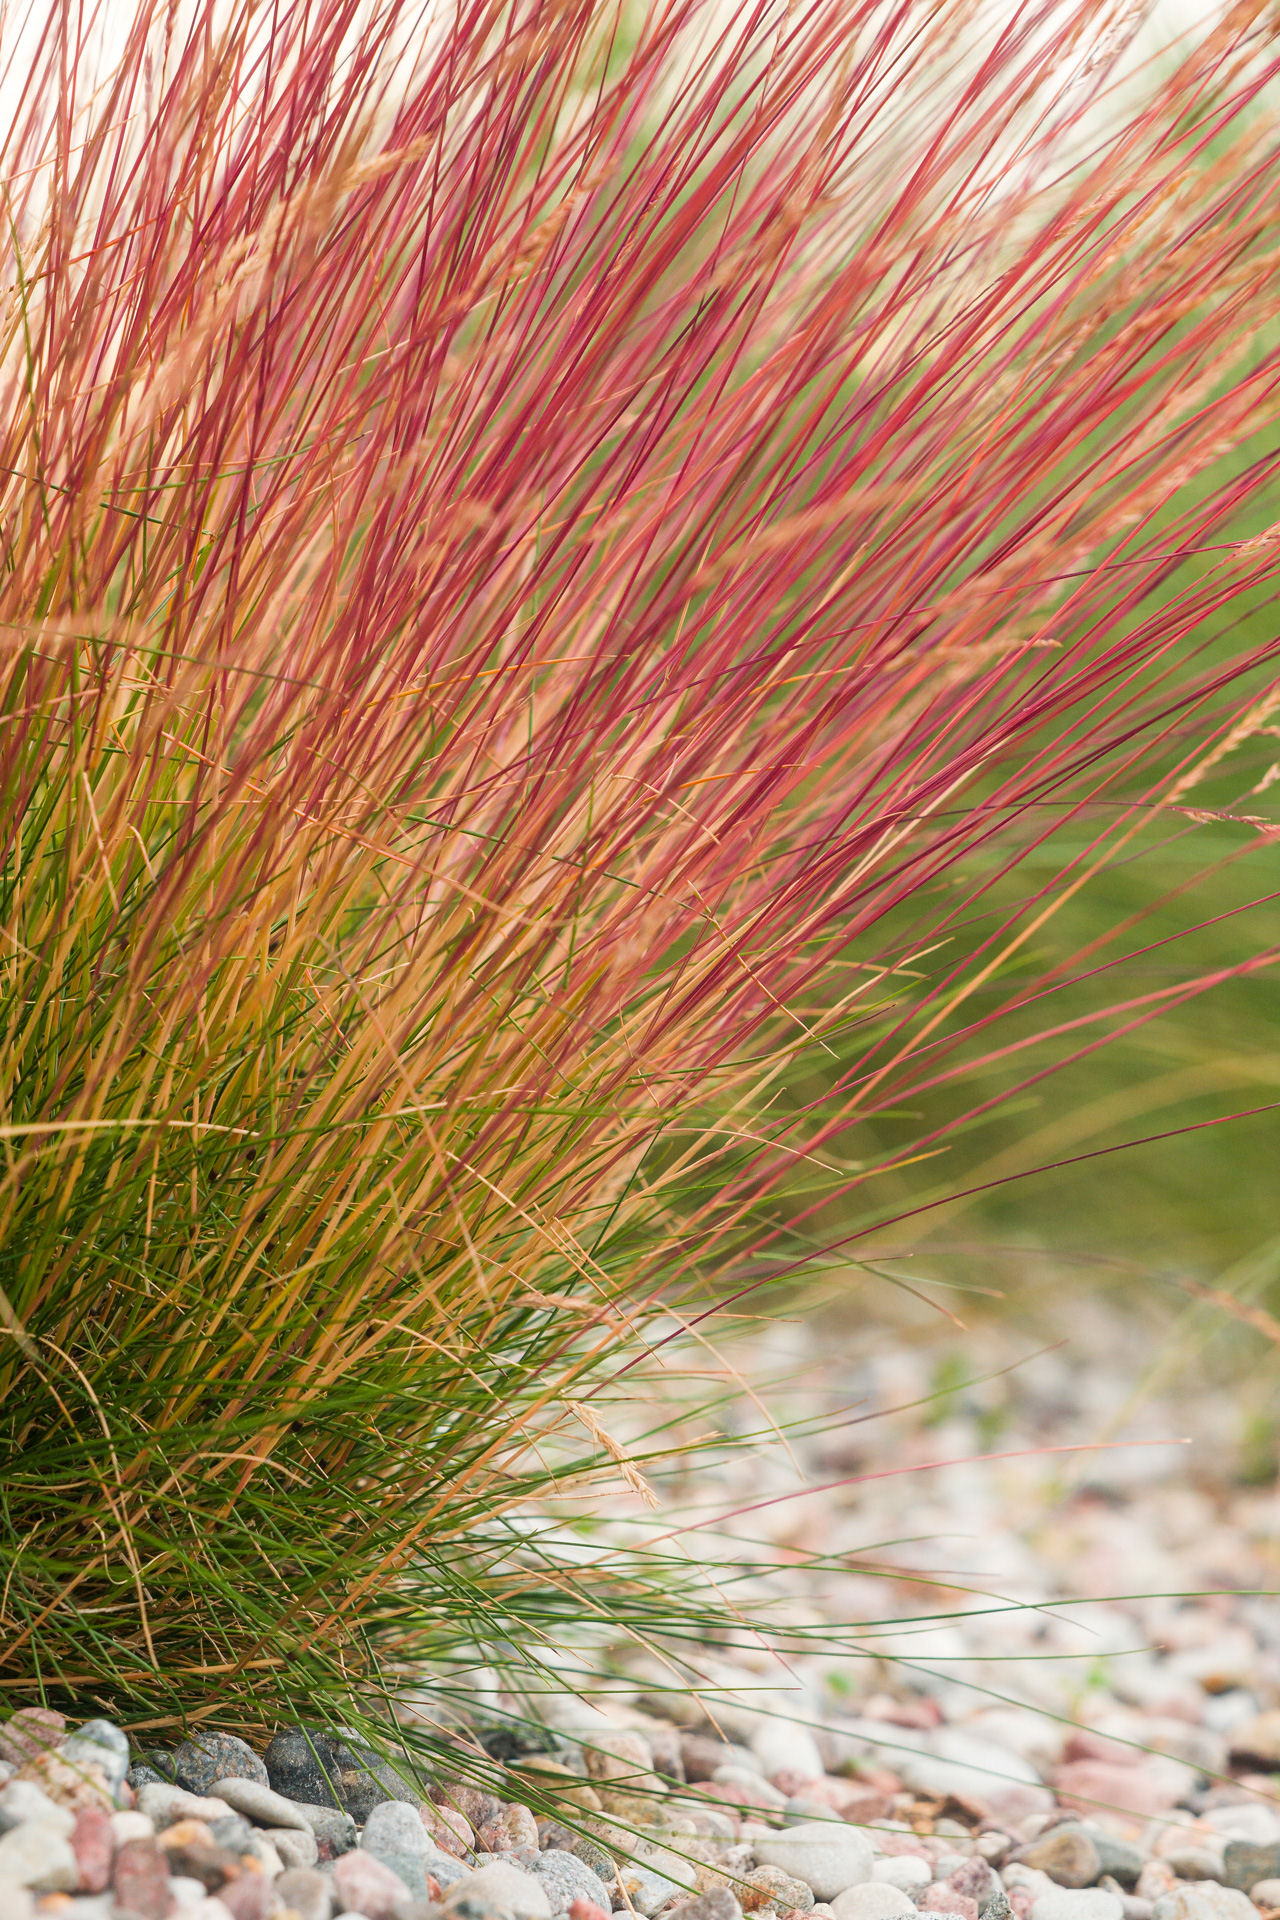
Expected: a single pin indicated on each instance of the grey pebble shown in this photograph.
(101, 1743)
(396, 1824)
(297, 1848)
(331, 1769)
(567, 1877)
(209, 1756)
(1245, 1862)
(233, 1831)
(259, 1803)
(334, 1830)
(145, 1776)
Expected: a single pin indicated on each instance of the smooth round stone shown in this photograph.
(646, 1888)
(1204, 1900)
(783, 1746)
(258, 1803)
(298, 1850)
(396, 1824)
(1266, 1894)
(566, 1878)
(23, 1800)
(826, 1855)
(1245, 1862)
(872, 1900)
(102, 1743)
(1067, 1854)
(362, 1884)
(1078, 1903)
(210, 1756)
(905, 1870)
(306, 1893)
(163, 1805)
(39, 1856)
(506, 1887)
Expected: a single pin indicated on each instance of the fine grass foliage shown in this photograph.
(541, 550)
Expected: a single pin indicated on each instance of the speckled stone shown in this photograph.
(210, 1756)
(566, 1877)
(330, 1770)
(140, 1880)
(29, 1731)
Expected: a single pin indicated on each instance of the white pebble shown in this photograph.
(827, 1856)
(131, 1825)
(873, 1900)
(1078, 1903)
(38, 1855)
(1204, 1900)
(903, 1870)
(784, 1746)
(186, 1892)
(503, 1885)
(23, 1800)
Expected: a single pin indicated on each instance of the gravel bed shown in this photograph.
(1091, 1731)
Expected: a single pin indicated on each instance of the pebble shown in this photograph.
(565, 1878)
(29, 1731)
(23, 1800)
(1205, 1900)
(1258, 1741)
(258, 1803)
(93, 1843)
(1244, 1862)
(646, 1888)
(326, 1769)
(163, 1805)
(335, 1831)
(365, 1884)
(871, 1900)
(826, 1857)
(39, 1855)
(1078, 1903)
(1266, 1894)
(502, 1886)
(718, 1903)
(131, 1825)
(775, 1890)
(396, 1825)
(511, 1827)
(82, 1784)
(306, 1893)
(452, 1830)
(100, 1741)
(783, 1746)
(296, 1847)
(251, 1896)
(943, 1897)
(1067, 1854)
(210, 1756)
(903, 1870)
(140, 1880)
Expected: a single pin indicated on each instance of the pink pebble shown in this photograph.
(93, 1844)
(1089, 1784)
(942, 1897)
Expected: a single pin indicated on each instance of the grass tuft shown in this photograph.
(536, 549)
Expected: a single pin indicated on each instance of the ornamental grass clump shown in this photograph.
(534, 545)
